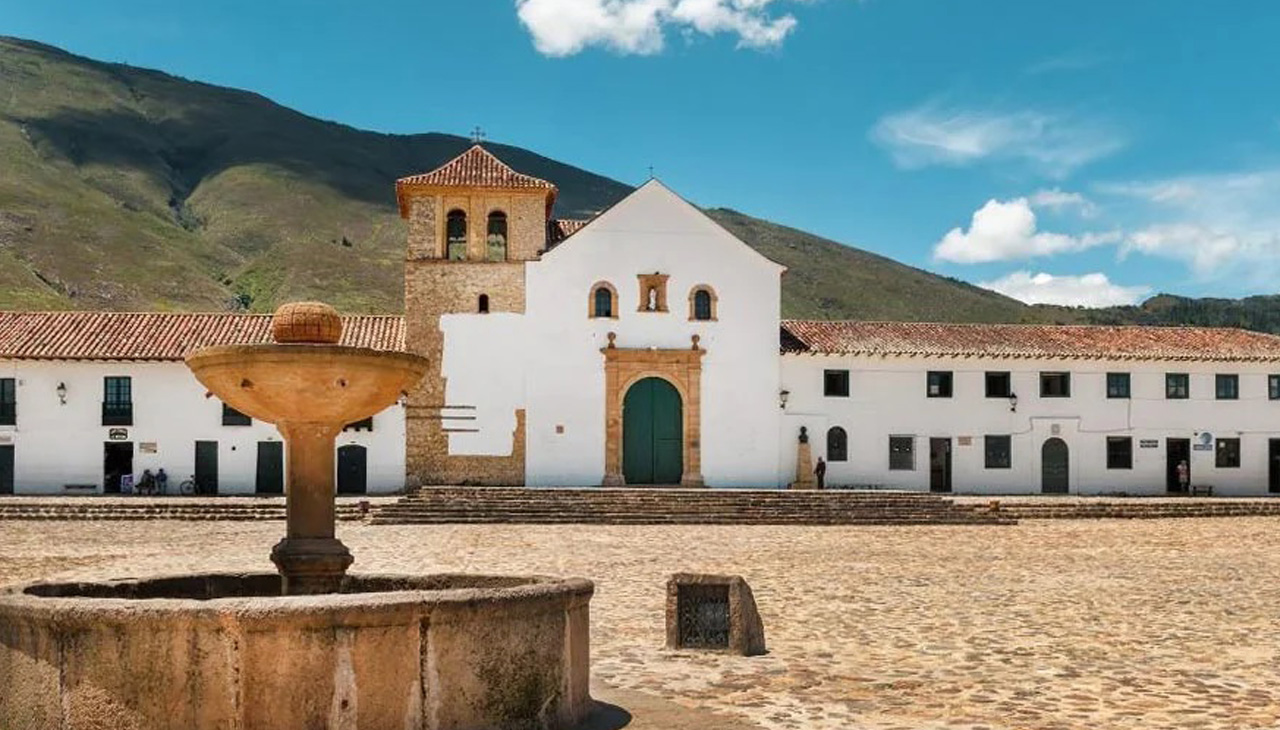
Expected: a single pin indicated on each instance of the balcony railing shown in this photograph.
(117, 414)
(8, 414)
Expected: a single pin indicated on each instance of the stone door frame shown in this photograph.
(624, 367)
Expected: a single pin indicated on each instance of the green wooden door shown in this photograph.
(270, 477)
(652, 433)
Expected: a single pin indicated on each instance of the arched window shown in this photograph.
(484, 304)
(604, 301)
(837, 444)
(455, 235)
(497, 238)
(702, 304)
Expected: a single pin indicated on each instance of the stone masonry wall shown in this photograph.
(526, 223)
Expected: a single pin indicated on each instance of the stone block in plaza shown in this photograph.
(713, 613)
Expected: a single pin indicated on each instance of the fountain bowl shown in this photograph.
(306, 382)
(226, 650)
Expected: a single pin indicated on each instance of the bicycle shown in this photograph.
(188, 487)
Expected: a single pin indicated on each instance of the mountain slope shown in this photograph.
(125, 188)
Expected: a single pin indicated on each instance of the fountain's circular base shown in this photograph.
(227, 650)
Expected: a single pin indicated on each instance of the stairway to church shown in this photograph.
(440, 505)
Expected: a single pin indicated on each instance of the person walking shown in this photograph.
(820, 471)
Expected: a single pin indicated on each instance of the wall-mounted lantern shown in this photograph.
(782, 398)
(1013, 402)
(62, 393)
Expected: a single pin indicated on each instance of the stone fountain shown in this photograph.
(309, 647)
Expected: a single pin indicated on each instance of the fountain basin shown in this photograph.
(228, 651)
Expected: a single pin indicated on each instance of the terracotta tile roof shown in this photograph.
(560, 229)
(477, 167)
(160, 336)
(1028, 341)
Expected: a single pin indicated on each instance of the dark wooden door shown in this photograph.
(1055, 467)
(940, 465)
(353, 472)
(1273, 459)
(6, 470)
(206, 467)
(270, 477)
(117, 461)
(1176, 452)
(652, 433)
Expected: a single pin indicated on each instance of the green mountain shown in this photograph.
(130, 189)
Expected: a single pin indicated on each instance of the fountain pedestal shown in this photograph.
(310, 559)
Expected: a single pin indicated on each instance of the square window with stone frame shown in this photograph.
(1226, 386)
(835, 383)
(1119, 452)
(938, 384)
(999, 385)
(902, 453)
(999, 452)
(8, 402)
(1055, 385)
(1177, 386)
(1118, 385)
(1227, 453)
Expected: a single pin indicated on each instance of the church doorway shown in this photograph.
(652, 433)
(353, 471)
(1055, 467)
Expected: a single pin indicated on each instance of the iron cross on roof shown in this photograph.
(477, 135)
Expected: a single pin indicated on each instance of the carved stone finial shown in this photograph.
(612, 336)
(696, 339)
(307, 322)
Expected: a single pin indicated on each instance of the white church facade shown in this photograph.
(645, 347)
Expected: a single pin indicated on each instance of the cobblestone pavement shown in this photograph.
(1044, 625)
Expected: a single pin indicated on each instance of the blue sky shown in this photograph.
(1085, 152)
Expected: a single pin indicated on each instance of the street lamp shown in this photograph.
(62, 393)
(1013, 402)
(782, 398)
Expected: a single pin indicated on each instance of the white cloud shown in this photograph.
(1060, 201)
(1089, 290)
(933, 135)
(1003, 231)
(1072, 61)
(566, 27)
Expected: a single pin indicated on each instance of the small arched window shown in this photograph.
(837, 444)
(496, 239)
(484, 304)
(702, 304)
(604, 301)
(455, 235)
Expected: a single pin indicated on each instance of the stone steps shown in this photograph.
(1130, 511)
(519, 505)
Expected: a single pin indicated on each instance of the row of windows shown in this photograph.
(998, 451)
(455, 236)
(117, 405)
(1055, 384)
(604, 303)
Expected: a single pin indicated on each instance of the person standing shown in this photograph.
(162, 482)
(1184, 475)
(820, 471)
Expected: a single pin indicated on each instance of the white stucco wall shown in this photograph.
(56, 444)
(549, 361)
(888, 397)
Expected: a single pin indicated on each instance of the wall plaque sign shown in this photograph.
(118, 434)
(1149, 444)
(148, 447)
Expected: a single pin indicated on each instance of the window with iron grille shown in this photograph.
(1177, 386)
(232, 417)
(902, 453)
(837, 444)
(1119, 452)
(1273, 387)
(8, 402)
(938, 384)
(999, 385)
(1118, 385)
(1226, 386)
(1055, 385)
(835, 383)
(999, 452)
(117, 401)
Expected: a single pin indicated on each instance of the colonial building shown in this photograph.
(644, 346)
